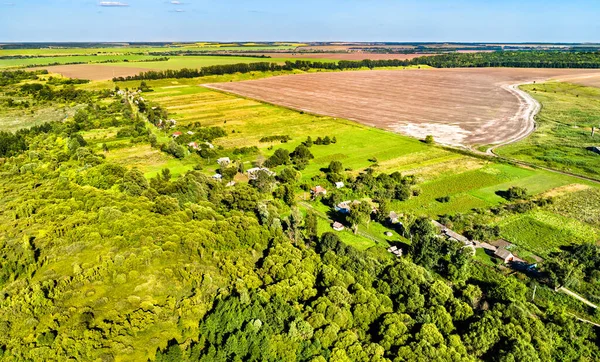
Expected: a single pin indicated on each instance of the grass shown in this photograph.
(134, 59)
(563, 134)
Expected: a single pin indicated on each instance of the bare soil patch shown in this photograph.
(457, 106)
(588, 80)
(93, 71)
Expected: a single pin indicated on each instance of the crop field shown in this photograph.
(106, 71)
(28, 62)
(564, 129)
(456, 106)
(348, 56)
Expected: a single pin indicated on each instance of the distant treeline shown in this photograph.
(195, 53)
(454, 60)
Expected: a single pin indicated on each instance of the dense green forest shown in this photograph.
(519, 59)
(100, 263)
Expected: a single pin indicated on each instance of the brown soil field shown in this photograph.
(93, 71)
(348, 56)
(476, 106)
(589, 80)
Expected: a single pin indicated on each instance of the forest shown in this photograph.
(99, 262)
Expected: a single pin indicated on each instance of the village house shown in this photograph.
(253, 172)
(190, 133)
(441, 227)
(210, 145)
(395, 250)
(338, 226)
(451, 235)
(193, 145)
(504, 255)
(230, 184)
(339, 185)
(224, 161)
(177, 134)
(394, 218)
(318, 190)
(343, 207)
(217, 177)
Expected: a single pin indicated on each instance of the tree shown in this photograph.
(134, 182)
(166, 174)
(335, 167)
(429, 139)
(311, 226)
(359, 213)
(280, 157)
(563, 271)
(516, 193)
(165, 205)
(301, 153)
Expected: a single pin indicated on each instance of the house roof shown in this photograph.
(318, 189)
(439, 225)
(217, 176)
(501, 243)
(393, 215)
(224, 159)
(177, 133)
(456, 236)
(337, 225)
(503, 253)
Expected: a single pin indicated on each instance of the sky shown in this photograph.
(306, 20)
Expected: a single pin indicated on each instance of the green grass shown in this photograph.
(564, 129)
(135, 59)
(542, 232)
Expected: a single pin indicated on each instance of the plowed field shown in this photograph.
(456, 106)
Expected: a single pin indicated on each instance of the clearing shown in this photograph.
(458, 107)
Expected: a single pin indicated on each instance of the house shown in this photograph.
(224, 161)
(343, 207)
(318, 190)
(451, 235)
(501, 243)
(230, 184)
(338, 226)
(190, 133)
(176, 134)
(210, 145)
(505, 255)
(193, 145)
(253, 172)
(441, 227)
(217, 177)
(394, 219)
(339, 185)
(395, 250)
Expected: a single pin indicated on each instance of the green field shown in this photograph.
(564, 128)
(25, 62)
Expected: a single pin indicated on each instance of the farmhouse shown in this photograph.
(501, 244)
(505, 255)
(190, 133)
(338, 226)
(318, 190)
(343, 207)
(441, 227)
(253, 172)
(339, 185)
(176, 134)
(395, 250)
(224, 161)
(230, 184)
(217, 177)
(394, 218)
(210, 145)
(451, 235)
(193, 145)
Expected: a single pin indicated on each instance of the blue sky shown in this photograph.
(307, 20)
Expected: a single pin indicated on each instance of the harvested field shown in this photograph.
(457, 106)
(94, 71)
(588, 80)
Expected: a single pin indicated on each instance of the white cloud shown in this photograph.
(113, 4)
(175, 2)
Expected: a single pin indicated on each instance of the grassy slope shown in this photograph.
(564, 129)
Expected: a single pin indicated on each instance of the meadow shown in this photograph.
(564, 129)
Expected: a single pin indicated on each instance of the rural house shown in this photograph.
(217, 177)
(176, 134)
(343, 207)
(224, 161)
(339, 185)
(394, 218)
(338, 226)
(451, 235)
(318, 190)
(190, 133)
(210, 145)
(193, 145)
(395, 250)
(441, 227)
(505, 255)
(253, 172)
